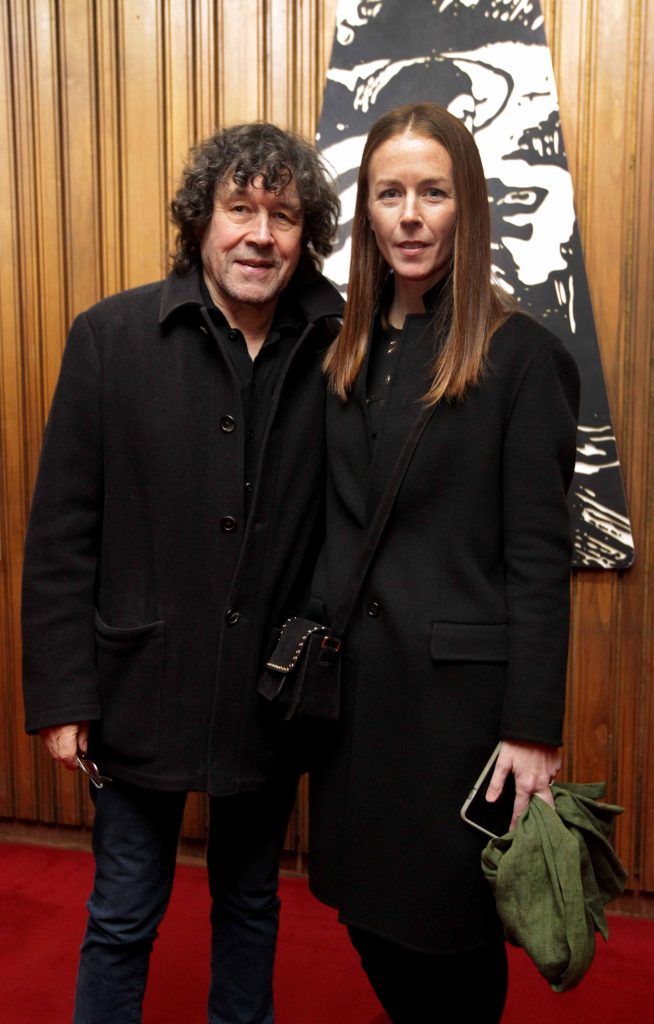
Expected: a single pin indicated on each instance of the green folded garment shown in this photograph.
(552, 877)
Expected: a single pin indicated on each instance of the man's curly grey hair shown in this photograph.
(245, 152)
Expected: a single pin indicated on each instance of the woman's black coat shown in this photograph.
(461, 634)
(149, 593)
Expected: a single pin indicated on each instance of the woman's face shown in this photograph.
(412, 207)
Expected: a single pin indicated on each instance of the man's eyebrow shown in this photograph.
(292, 205)
(233, 191)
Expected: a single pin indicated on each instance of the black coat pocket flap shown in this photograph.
(131, 633)
(466, 641)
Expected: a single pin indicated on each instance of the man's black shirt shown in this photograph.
(258, 377)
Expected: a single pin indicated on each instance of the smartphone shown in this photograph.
(492, 818)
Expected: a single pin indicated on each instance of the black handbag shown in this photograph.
(303, 669)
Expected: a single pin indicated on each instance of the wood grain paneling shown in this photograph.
(108, 136)
(605, 88)
(242, 60)
(80, 185)
(143, 194)
(636, 765)
(99, 103)
(179, 84)
(13, 485)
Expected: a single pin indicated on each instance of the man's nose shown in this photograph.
(260, 232)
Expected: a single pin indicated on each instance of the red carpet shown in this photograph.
(42, 894)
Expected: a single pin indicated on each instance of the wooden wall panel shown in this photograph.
(13, 485)
(241, 61)
(637, 770)
(108, 137)
(279, 65)
(99, 103)
(80, 185)
(207, 34)
(633, 410)
(178, 51)
(141, 116)
(589, 719)
(605, 91)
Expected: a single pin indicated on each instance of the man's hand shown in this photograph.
(534, 766)
(62, 741)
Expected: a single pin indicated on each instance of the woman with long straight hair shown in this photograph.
(461, 635)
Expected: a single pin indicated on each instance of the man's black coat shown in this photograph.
(148, 597)
(461, 634)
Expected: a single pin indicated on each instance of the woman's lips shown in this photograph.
(412, 247)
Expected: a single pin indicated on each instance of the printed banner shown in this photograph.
(488, 62)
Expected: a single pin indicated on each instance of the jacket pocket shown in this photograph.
(130, 670)
(464, 641)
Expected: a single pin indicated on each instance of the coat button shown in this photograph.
(228, 424)
(232, 334)
(232, 616)
(228, 524)
(374, 608)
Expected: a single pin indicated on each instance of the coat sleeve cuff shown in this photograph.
(46, 718)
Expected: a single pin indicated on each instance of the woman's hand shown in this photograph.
(534, 766)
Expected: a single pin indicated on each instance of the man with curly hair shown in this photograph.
(175, 519)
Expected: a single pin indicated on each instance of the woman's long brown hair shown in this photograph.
(476, 309)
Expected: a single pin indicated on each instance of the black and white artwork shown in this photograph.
(488, 62)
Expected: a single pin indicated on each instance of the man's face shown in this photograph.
(252, 245)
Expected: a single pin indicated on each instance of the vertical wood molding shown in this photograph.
(109, 169)
(178, 50)
(143, 192)
(209, 89)
(638, 769)
(81, 185)
(631, 410)
(305, 108)
(12, 483)
(242, 61)
(25, 765)
(279, 66)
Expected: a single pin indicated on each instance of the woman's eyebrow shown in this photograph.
(434, 180)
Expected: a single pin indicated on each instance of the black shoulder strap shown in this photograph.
(375, 530)
(331, 326)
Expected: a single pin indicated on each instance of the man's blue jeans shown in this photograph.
(135, 839)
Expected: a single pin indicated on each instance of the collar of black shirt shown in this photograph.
(287, 318)
(432, 299)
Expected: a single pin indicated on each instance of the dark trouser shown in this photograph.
(425, 988)
(135, 837)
